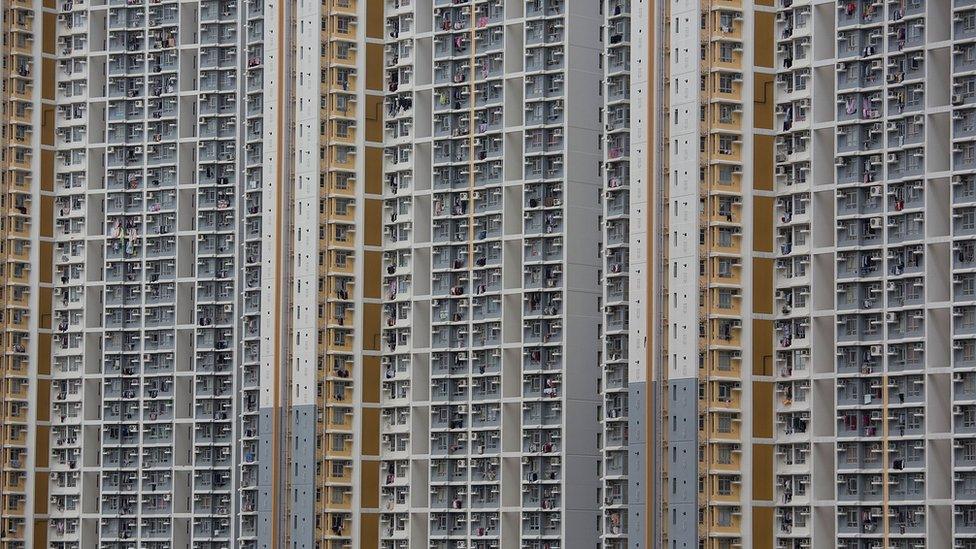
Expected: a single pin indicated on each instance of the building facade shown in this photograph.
(475, 274)
(215, 279)
(872, 340)
(614, 384)
(26, 250)
(491, 270)
(715, 196)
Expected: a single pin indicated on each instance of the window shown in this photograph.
(725, 21)
(724, 486)
(723, 517)
(914, 161)
(725, 81)
(849, 296)
(725, 143)
(338, 443)
(969, 450)
(724, 237)
(969, 516)
(724, 455)
(726, 52)
(725, 174)
(724, 267)
(913, 322)
(912, 292)
(725, 298)
(724, 361)
(913, 388)
(338, 469)
(725, 113)
(724, 423)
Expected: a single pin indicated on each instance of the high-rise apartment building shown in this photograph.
(154, 299)
(615, 350)
(26, 231)
(216, 274)
(873, 315)
(491, 274)
(716, 145)
(335, 210)
(832, 274)
(475, 274)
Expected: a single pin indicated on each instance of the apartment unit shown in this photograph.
(26, 101)
(491, 269)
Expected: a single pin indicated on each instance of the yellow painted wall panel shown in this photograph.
(374, 58)
(47, 215)
(40, 533)
(369, 531)
(50, 30)
(42, 448)
(762, 223)
(44, 296)
(44, 362)
(371, 326)
(374, 170)
(762, 285)
(762, 163)
(47, 170)
(372, 264)
(43, 396)
(46, 268)
(374, 18)
(40, 492)
(373, 230)
(371, 379)
(764, 106)
(48, 85)
(374, 118)
(764, 44)
(371, 434)
(48, 124)
(762, 527)
(762, 347)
